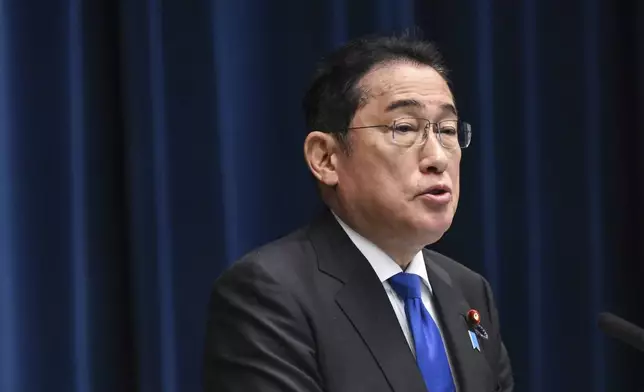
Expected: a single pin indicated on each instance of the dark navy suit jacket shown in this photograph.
(307, 313)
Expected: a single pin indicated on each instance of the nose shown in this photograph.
(434, 157)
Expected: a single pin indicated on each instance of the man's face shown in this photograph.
(388, 186)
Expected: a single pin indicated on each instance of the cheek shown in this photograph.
(370, 160)
(393, 173)
(385, 170)
(353, 175)
(455, 174)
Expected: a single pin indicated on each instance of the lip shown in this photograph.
(439, 199)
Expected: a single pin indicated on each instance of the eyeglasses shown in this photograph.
(410, 131)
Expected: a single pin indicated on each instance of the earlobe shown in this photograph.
(320, 154)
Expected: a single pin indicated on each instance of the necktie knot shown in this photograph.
(406, 285)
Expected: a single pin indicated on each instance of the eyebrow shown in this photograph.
(403, 103)
(412, 103)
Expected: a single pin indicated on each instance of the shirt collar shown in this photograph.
(384, 266)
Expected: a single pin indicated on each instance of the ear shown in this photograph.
(320, 152)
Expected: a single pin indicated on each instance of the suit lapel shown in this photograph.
(364, 301)
(366, 304)
(472, 372)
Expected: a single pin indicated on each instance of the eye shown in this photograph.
(448, 130)
(405, 127)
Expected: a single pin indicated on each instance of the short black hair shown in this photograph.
(334, 95)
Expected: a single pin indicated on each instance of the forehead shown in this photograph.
(421, 83)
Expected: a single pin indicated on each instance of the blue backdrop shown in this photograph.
(145, 145)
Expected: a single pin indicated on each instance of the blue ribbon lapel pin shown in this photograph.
(475, 330)
(475, 340)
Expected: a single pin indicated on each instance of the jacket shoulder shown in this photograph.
(280, 260)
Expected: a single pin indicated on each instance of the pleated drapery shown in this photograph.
(145, 145)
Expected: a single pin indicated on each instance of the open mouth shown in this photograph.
(438, 194)
(437, 191)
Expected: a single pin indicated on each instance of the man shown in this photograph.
(353, 302)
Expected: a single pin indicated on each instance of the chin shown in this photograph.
(434, 227)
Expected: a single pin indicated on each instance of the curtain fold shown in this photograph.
(146, 145)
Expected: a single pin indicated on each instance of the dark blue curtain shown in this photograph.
(145, 145)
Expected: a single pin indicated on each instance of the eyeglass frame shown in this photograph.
(459, 123)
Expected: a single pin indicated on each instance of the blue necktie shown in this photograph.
(430, 352)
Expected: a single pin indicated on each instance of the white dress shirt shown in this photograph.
(385, 267)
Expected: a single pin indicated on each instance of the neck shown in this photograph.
(394, 247)
(402, 258)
